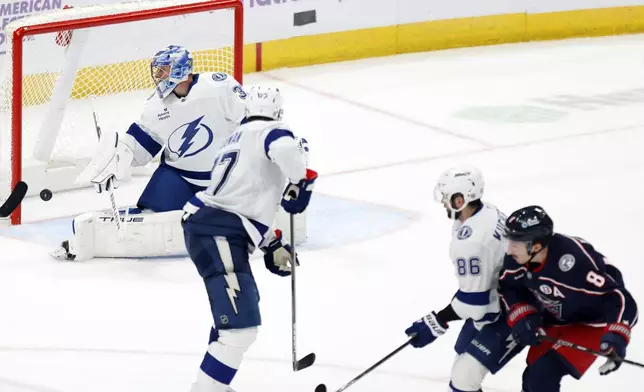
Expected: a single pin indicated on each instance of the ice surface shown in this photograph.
(555, 123)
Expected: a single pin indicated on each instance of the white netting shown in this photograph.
(104, 67)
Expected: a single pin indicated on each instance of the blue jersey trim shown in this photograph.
(195, 79)
(194, 175)
(274, 135)
(145, 140)
(479, 208)
(213, 221)
(489, 317)
(477, 299)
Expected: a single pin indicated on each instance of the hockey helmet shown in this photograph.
(169, 67)
(529, 224)
(464, 180)
(264, 102)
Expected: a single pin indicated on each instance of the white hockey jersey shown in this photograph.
(190, 128)
(250, 173)
(477, 250)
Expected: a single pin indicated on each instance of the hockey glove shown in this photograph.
(297, 196)
(105, 185)
(109, 165)
(426, 330)
(525, 322)
(277, 256)
(613, 343)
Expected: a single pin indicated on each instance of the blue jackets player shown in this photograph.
(563, 287)
(184, 121)
(477, 249)
(224, 223)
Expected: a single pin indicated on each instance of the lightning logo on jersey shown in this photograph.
(191, 139)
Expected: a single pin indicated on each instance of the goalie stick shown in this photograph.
(109, 185)
(14, 199)
(322, 387)
(298, 364)
(588, 350)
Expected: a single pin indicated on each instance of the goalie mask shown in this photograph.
(466, 181)
(264, 102)
(169, 67)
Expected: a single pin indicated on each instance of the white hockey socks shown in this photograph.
(222, 360)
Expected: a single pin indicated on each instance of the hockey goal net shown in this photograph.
(61, 65)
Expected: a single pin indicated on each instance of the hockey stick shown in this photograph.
(298, 364)
(109, 185)
(14, 199)
(588, 350)
(322, 387)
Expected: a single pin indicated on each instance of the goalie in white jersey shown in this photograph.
(232, 217)
(185, 121)
(477, 250)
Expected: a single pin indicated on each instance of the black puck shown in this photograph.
(46, 195)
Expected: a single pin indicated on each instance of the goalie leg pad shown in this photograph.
(166, 191)
(147, 234)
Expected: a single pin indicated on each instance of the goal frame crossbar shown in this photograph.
(102, 20)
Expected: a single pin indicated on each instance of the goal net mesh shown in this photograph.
(69, 74)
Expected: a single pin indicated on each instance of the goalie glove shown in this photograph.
(277, 256)
(110, 164)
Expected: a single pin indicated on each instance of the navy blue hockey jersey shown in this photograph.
(573, 285)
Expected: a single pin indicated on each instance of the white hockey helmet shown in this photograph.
(264, 102)
(464, 180)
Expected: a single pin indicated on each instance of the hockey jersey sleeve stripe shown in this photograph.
(622, 309)
(477, 299)
(144, 139)
(274, 135)
(584, 252)
(570, 287)
(517, 271)
(503, 301)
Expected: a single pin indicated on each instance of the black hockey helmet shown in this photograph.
(529, 224)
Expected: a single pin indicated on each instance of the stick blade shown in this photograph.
(14, 199)
(320, 388)
(304, 362)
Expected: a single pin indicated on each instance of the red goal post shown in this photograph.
(16, 94)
